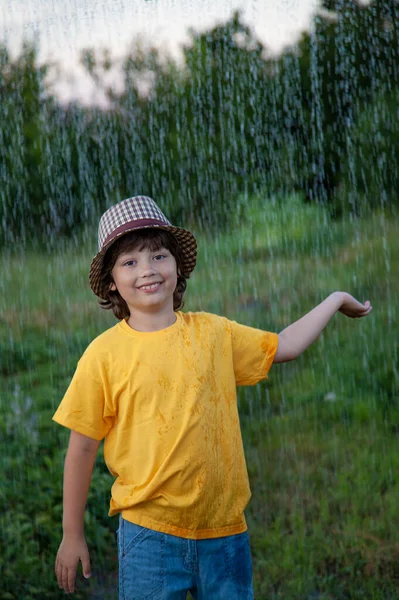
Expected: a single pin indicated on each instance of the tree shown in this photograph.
(350, 57)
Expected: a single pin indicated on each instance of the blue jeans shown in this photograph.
(159, 566)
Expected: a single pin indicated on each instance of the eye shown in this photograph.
(159, 256)
(129, 263)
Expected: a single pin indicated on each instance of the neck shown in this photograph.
(143, 321)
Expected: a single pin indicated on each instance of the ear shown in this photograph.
(112, 287)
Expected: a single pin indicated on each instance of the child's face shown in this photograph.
(146, 279)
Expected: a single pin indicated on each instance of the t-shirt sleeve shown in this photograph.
(253, 353)
(84, 408)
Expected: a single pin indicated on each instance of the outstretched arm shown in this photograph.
(295, 338)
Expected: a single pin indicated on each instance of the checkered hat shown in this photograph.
(139, 212)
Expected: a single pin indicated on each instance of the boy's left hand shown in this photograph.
(352, 308)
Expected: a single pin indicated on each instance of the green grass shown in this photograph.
(320, 435)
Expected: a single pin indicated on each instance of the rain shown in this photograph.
(278, 148)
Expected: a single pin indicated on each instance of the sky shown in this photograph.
(65, 27)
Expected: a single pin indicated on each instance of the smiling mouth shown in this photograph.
(152, 286)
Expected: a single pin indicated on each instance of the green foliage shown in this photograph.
(338, 69)
(219, 142)
(55, 170)
(369, 176)
(230, 121)
(320, 435)
(31, 465)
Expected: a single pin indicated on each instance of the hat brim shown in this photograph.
(185, 239)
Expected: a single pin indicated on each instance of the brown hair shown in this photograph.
(153, 240)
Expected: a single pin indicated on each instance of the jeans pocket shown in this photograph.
(239, 563)
(129, 534)
(140, 562)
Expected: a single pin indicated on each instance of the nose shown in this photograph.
(148, 268)
(148, 273)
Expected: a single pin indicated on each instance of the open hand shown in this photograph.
(352, 308)
(71, 551)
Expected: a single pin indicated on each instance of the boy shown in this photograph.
(160, 388)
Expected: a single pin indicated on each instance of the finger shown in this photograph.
(364, 313)
(65, 579)
(68, 579)
(58, 572)
(71, 580)
(86, 568)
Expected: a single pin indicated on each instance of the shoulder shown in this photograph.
(201, 317)
(103, 344)
(205, 320)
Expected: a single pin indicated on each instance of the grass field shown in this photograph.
(321, 435)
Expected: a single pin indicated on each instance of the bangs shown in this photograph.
(145, 239)
(151, 239)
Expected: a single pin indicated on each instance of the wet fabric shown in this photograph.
(166, 404)
(164, 567)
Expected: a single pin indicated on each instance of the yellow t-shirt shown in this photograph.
(166, 404)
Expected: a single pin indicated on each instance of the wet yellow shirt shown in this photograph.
(166, 404)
